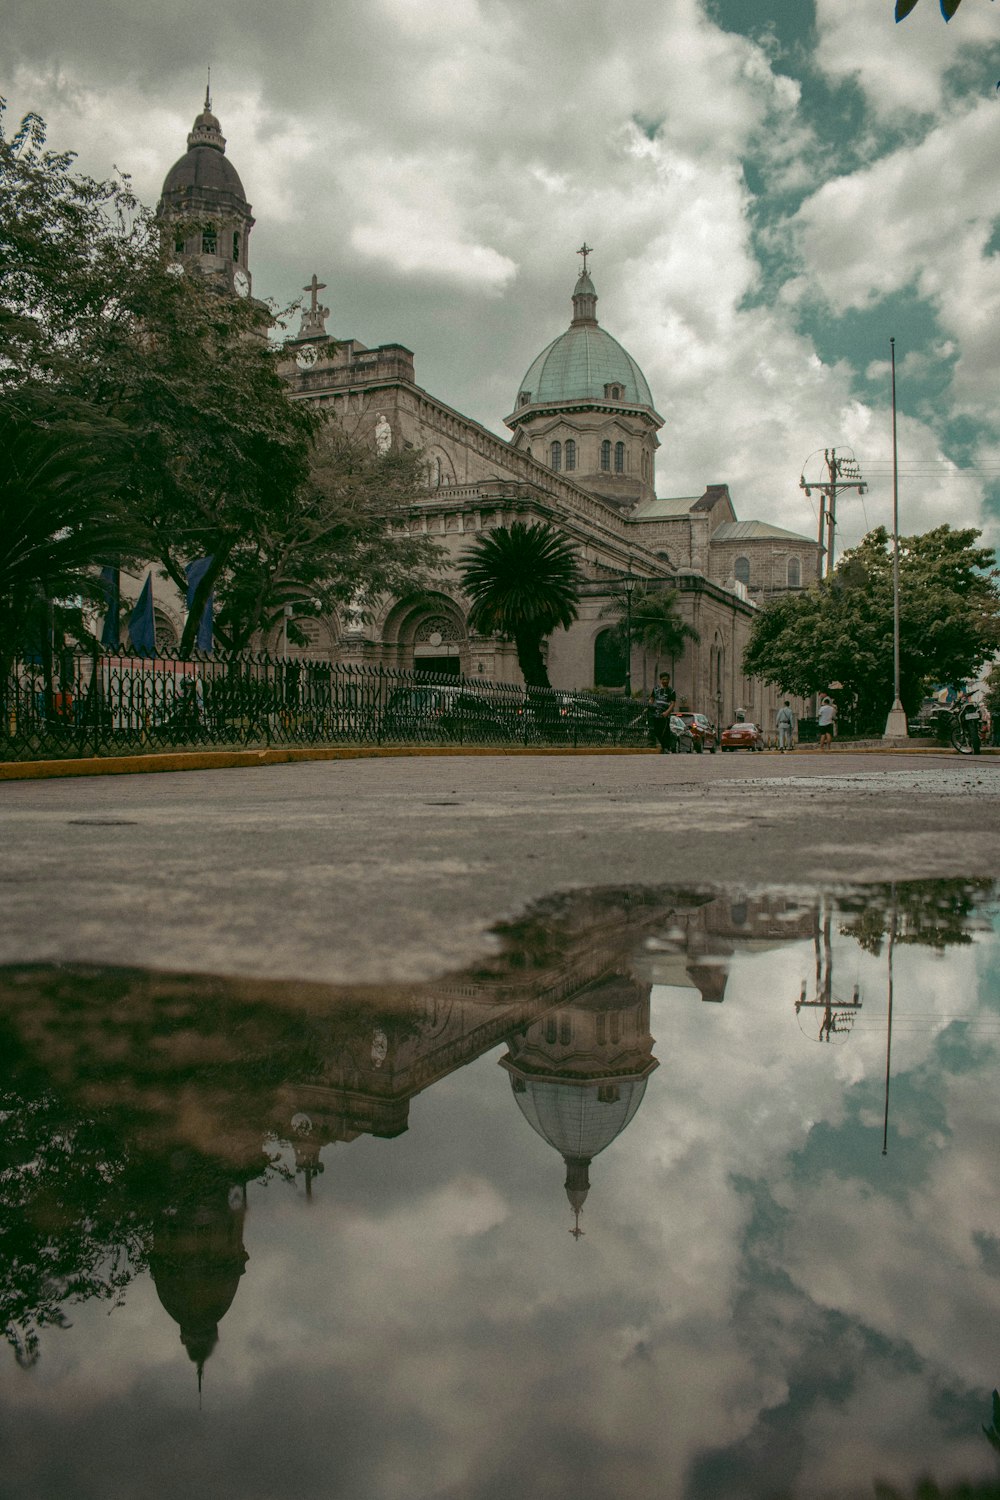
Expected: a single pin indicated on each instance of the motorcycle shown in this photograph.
(966, 727)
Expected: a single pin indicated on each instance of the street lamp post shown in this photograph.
(628, 586)
(895, 727)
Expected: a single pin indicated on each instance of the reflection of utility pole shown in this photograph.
(837, 1017)
(888, 1024)
(842, 474)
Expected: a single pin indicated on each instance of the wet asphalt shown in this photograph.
(397, 868)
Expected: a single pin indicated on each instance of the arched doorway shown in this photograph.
(426, 635)
(609, 659)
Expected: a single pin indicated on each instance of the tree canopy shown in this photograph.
(524, 582)
(102, 328)
(841, 630)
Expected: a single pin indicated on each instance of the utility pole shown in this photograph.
(842, 473)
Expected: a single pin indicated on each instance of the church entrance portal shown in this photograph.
(437, 666)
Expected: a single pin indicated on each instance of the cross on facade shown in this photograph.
(313, 288)
(585, 250)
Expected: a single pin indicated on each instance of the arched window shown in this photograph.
(609, 660)
(619, 458)
(557, 456)
(179, 243)
(606, 454)
(794, 573)
(208, 240)
(741, 570)
(570, 454)
(236, 244)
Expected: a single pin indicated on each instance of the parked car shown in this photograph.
(702, 732)
(742, 736)
(442, 713)
(684, 742)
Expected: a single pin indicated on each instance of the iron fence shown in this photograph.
(119, 704)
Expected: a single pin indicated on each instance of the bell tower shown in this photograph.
(204, 207)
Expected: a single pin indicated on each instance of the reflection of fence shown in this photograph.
(114, 703)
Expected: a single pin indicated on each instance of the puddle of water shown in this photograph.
(677, 1194)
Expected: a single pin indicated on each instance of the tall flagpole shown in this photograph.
(895, 725)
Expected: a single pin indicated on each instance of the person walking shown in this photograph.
(785, 722)
(662, 702)
(826, 720)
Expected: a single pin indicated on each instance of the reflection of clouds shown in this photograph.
(760, 1295)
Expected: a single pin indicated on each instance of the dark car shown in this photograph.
(442, 713)
(573, 718)
(702, 732)
(742, 736)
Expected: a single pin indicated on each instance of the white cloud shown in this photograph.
(902, 68)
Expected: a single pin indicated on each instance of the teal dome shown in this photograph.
(582, 362)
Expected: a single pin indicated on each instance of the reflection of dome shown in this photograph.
(196, 1263)
(579, 1074)
(584, 363)
(579, 1120)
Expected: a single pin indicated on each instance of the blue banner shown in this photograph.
(195, 573)
(111, 584)
(142, 625)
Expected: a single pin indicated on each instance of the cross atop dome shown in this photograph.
(585, 250)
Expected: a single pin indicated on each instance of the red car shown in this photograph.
(702, 732)
(742, 736)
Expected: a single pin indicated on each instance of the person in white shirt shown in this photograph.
(826, 719)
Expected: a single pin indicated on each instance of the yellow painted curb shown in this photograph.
(218, 760)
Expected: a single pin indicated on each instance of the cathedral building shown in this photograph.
(581, 457)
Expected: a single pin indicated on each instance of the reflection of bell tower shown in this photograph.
(579, 1074)
(197, 1261)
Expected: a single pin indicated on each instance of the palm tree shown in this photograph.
(524, 581)
(653, 622)
(59, 515)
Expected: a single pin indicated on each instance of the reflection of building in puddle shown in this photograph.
(402, 1041)
(210, 1072)
(198, 1257)
(579, 1074)
(693, 951)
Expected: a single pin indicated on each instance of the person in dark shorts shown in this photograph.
(662, 702)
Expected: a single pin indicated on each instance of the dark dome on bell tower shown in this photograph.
(204, 206)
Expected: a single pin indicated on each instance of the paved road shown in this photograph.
(379, 869)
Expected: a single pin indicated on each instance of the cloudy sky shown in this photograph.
(773, 188)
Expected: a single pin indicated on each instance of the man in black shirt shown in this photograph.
(662, 702)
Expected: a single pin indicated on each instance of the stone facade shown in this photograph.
(581, 458)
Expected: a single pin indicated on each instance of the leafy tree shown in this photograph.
(331, 543)
(67, 247)
(842, 629)
(221, 462)
(524, 582)
(653, 621)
